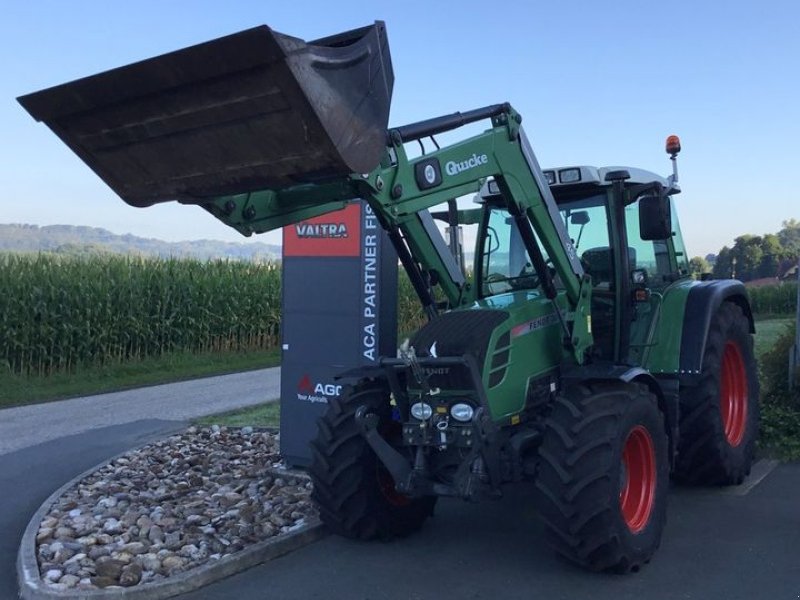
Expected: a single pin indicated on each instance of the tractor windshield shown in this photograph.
(586, 220)
(505, 265)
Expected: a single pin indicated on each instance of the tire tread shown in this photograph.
(575, 492)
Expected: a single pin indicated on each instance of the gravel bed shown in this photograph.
(171, 506)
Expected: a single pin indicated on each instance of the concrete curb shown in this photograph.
(31, 586)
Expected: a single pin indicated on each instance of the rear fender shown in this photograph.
(702, 302)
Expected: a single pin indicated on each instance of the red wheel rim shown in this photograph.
(638, 486)
(733, 394)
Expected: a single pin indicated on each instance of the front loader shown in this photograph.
(576, 352)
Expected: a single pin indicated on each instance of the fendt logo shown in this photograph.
(476, 160)
(309, 391)
(321, 230)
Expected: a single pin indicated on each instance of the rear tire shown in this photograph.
(603, 476)
(719, 416)
(355, 494)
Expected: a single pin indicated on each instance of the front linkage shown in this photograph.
(408, 431)
(445, 447)
(400, 437)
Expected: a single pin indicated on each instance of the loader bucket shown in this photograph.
(250, 111)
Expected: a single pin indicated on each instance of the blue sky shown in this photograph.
(599, 83)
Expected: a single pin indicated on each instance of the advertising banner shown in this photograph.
(339, 311)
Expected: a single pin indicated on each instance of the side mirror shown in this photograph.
(579, 217)
(655, 218)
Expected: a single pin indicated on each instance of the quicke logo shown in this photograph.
(476, 160)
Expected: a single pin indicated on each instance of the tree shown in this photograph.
(772, 253)
(789, 237)
(757, 257)
(697, 266)
(723, 267)
(748, 254)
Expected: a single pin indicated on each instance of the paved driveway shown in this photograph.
(716, 545)
(28, 425)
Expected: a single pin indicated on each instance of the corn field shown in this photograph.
(410, 315)
(59, 312)
(774, 300)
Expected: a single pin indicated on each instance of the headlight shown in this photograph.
(461, 412)
(569, 175)
(421, 411)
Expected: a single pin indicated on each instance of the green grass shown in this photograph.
(780, 407)
(20, 389)
(262, 415)
(768, 330)
(779, 432)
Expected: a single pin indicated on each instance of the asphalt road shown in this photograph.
(24, 426)
(716, 545)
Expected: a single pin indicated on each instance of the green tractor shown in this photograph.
(576, 352)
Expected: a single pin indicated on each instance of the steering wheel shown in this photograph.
(529, 278)
(497, 283)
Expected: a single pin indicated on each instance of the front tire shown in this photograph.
(603, 476)
(719, 416)
(353, 491)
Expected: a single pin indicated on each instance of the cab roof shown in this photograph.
(563, 177)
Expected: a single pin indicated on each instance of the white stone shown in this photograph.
(53, 575)
(112, 526)
(200, 495)
(69, 580)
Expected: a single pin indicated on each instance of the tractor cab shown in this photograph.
(626, 233)
(603, 210)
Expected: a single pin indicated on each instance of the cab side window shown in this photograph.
(677, 242)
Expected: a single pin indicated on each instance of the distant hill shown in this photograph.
(72, 239)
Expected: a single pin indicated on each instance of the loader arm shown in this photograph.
(397, 194)
(264, 130)
(394, 194)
